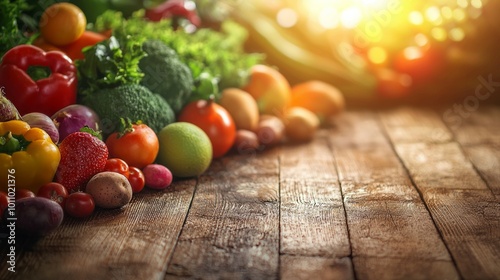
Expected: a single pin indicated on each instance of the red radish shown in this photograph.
(157, 176)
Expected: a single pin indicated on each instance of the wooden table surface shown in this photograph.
(404, 193)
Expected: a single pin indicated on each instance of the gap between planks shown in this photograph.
(464, 204)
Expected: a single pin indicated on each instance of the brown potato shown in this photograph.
(242, 107)
(300, 124)
(109, 189)
(246, 142)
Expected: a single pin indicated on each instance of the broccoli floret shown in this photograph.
(165, 74)
(135, 102)
(157, 47)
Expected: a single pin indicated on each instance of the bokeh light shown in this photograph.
(351, 17)
(287, 17)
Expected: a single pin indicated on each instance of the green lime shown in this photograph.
(185, 149)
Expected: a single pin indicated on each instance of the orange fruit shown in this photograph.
(269, 88)
(321, 98)
(62, 23)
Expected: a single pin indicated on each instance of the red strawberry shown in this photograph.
(82, 156)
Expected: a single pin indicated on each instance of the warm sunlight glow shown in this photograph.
(462, 3)
(439, 34)
(350, 17)
(459, 14)
(329, 18)
(447, 12)
(457, 34)
(412, 53)
(421, 40)
(377, 55)
(286, 17)
(377, 4)
(478, 4)
(433, 15)
(416, 18)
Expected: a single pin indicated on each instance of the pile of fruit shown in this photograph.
(90, 117)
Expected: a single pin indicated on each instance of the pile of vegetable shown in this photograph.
(88, 123)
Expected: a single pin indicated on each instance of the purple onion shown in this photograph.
(73, 117)
(43, 122)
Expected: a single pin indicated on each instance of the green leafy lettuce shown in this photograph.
(217, 53)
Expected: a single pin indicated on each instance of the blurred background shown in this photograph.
(378, 52)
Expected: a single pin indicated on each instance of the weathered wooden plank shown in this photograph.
(394, 229)
(479, 134)
(130, 243)
(439, 165)
(486, 159)
(394, 268)
(356, 129)
(461, 204)
(317, 268)
(232, 230)
(470, 223)
(411, 125)
(475, 127)
(385, 215)
(311, 209)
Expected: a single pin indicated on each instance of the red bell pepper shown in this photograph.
(174, 8)
(53, 91)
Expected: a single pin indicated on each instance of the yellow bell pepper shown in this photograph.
(28, 157)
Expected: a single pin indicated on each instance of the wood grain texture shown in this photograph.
(393, 229)
(317, 268)
(477, 126)
(462, 206)
(486, 159)
(439, 165)
(356, 129)
(409, 125)
(469, 221)
(394, 268)
(312, 219)
(385, 215)
(407, 193)
(232, 230)
(133, 242)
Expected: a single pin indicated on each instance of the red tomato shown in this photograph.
(420, 63)
(79, 205)
(22, 193)
(117, 165)
(136, 179)
(137, 147)
(214, 120)
(54, 191)
(4, 202)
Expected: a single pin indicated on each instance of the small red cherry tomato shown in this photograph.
(22, 193)
(136, 179)
(54, 191)
(79, 205)
(117, 165)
